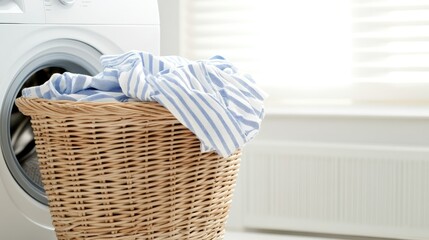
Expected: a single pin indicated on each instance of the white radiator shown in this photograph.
(333, 188)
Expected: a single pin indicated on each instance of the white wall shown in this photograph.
(169, 11)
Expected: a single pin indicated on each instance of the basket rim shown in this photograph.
(84, 102)
(48, 107)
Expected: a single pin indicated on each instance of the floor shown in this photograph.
(263, 236)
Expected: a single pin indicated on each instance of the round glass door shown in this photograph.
(16, 139)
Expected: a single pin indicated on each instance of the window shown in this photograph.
(361, 50)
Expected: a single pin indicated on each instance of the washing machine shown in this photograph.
(39, 38)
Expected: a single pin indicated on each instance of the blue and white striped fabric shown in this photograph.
(221, 106)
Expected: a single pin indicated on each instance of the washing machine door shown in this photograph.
(17, 140)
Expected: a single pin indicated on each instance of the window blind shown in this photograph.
(357, 49)
(219, 27)
(391, 49)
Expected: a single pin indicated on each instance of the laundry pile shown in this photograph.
(221, 106)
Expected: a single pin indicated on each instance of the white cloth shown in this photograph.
(222, 107)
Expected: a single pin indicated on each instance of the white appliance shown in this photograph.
(38, 38)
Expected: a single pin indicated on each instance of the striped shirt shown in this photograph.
(221, 106)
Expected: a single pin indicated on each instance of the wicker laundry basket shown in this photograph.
(128, 171)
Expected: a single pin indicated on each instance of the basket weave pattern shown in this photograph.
(128, 171)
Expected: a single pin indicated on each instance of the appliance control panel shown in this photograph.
(102, 11)
(67, 2)
(22, 11)
(96, 12)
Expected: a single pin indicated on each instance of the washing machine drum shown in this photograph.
(21, 133)
(24, 147)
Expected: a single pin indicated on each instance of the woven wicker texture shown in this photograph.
(128, 171)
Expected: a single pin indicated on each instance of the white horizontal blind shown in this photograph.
(391, 49)
(219, 27)
(356, 49)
